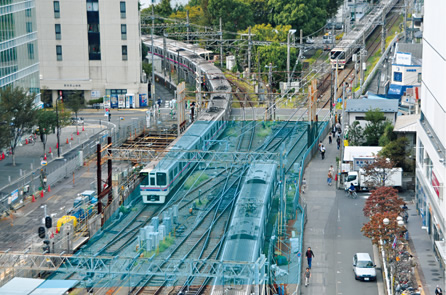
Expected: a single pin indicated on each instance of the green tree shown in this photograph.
(163, 8)
(265, 32)
(398, 151)
(75, 101)
(196, 14)
(355, 134)
(46, 122)
(18, 112)
(277, 55)
(260, 10)
(235, 14)
(308, 15)
(376, 121)
(147, 68)
(388, 134)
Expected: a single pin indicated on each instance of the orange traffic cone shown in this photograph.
(3, 156)
(49, 188)
(78, 132)
(44, 157)
(67, 140)
(41, 193)
(336, 177)
(26, 141)
(33, 199)
(83, 128)
(50, 150)
(71, 136)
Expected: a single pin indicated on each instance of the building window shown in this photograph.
(419, 77)
(28, 12)
(420, 152)
(124, 52)
(29, 27)
(59, 52)
(428, 164)
(124, 32)
(56, 6)
(92, 5)
(30, 51)
(122, 7)
(398, 77)
(57, 30)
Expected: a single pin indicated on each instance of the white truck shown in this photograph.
(393, 178)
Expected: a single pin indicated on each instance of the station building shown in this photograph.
(431, 131)
(93, 46)
(19, 63)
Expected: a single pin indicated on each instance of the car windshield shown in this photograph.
(365, 264)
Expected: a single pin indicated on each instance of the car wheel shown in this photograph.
(356, 277)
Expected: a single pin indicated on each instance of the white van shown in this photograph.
(363, 267)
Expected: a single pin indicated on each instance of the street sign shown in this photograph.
(43, 163)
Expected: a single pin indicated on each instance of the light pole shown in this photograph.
(290, 32)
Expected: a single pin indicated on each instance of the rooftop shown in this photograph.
(407, 123)
(364, 105)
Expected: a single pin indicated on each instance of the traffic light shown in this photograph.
(41, 232)
(48, 222)
(46, 246)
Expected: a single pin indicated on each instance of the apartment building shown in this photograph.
(90, 45)
(19, 65)
(431, 131)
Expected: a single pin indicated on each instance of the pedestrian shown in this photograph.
(304, 185)
(109, 116)
(329, 138)
(329, 178)
(309, 254)
(438, 291)
(307, 276)
(323, 152)
(320, 146)
(338, 141)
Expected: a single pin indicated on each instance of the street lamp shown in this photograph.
(290, 32)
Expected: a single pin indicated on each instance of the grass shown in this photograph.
(313, 59)
(195, 180)
(265, 130)
(163, 245)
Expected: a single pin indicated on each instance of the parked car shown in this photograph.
(363, 267)
(77, 121)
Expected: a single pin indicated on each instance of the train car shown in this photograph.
(162, 177)
(246, 234)
(343, 51)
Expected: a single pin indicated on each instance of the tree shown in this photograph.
(163, 8)
(376, 230)
(397, 150)
(260, 10)
(75, 101)
(383, 199)
(196, 14)
(388, 134)
(266, 32)
(378, 172)
(46, 122)
(375, 126)
(308, 15)
(147, 68)
(235, 14)
(277, 55)
(18, 111)
(355, 132)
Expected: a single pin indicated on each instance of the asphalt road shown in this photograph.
(345, 221)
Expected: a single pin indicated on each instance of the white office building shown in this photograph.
(90, 45)
(431, 131)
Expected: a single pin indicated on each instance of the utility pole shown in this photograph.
(290, 32)
(152, 89)
(383, 33)
(361, 66)
(270, 95)
(187, 26)
(249, 52)
(165, 56)
(221, 45)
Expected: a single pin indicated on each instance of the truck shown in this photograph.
(83, 204)
(362, 182)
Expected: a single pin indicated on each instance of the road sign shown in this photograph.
(43, 163)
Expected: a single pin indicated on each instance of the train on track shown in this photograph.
(161, 177)
(246, 233)
(352, 41)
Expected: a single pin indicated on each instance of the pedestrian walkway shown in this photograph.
(429, 269)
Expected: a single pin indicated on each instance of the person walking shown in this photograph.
(307, 275)
(438, 290)
(329, 138)
(338, 141)
(323, 151)
(304, 185)
(309, 254)
(330, 175)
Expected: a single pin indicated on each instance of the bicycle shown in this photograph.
(351, 194)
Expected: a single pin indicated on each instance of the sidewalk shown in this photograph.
(430, 272)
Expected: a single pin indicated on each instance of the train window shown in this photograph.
(145, 181)
(161, 178)
(256, 181)
(175, 171)
(170, 175)
(152, 180)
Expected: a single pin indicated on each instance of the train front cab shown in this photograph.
(337, 55)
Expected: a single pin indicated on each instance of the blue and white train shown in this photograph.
(246, 234)
(163, 176)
